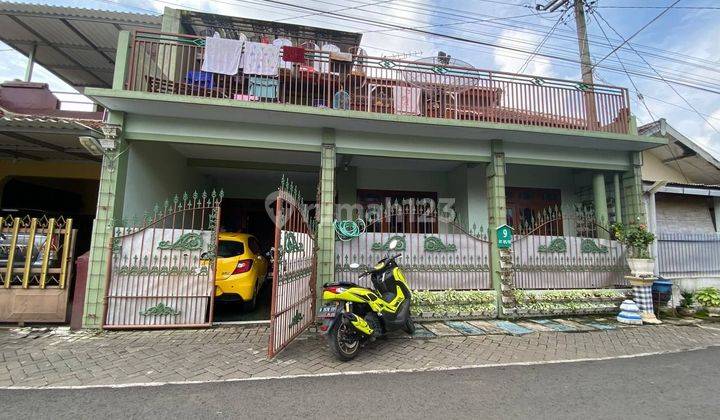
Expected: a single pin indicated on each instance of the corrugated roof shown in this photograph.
(683, 154)
(76, 44)
(40, 137)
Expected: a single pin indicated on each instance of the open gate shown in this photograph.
(294, 269)
(162, 268)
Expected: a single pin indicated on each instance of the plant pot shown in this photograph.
(641, 267)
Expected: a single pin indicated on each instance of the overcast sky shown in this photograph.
(682, 44)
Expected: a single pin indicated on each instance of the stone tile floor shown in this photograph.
(57, 357)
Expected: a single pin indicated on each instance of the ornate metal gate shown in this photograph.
(438, 254)
(552, 250)
(162, 268)
(294, 269)
(36, 262)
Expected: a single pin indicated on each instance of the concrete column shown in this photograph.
(652, 227)
(326, 232)
(30, 63)
(634, 210)
(497, 213)
(109, 207)
(618, 199)
(600, 202)
(121, 60)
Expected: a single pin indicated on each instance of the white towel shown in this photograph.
(261, 59)
(283, 42)
(222, 55)
(406, 100)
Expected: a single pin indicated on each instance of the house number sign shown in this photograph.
(504, 237)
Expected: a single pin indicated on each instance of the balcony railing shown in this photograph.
(171, 63)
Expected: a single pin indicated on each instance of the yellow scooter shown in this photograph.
(354, 314)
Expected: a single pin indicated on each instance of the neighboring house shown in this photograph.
(46, 180)
(682, 192)
(461, 151)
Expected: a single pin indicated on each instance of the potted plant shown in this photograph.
(686, 307)
(637, 239)
(709, 298)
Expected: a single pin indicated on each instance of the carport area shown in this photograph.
(249, 179)
(48, 187)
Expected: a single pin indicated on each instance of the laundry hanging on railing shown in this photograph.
(261, 59)
(293, 54)
(223, 56)
(406, 100)
(283, 43)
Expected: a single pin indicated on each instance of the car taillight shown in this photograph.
(243, 266)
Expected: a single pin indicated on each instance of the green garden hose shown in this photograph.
(347, 230)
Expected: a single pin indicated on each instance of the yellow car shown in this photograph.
(241, 268)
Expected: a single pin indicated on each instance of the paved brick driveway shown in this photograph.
(60, 358)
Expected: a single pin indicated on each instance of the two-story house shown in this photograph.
(430, 151)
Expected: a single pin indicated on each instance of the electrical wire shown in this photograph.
(625, 41)
(540, 44)
(666, 82)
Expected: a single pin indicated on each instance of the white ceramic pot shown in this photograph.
(641, 267)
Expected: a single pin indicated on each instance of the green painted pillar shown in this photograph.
(618, 199)
(497, 213)
(110, 201)
(634, 208)
(121, 61)
(600, 203)
(326, 232)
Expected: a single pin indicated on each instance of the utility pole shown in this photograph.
(584, 47)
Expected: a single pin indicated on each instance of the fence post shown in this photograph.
(497, 213)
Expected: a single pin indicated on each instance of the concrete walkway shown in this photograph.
(58, 358)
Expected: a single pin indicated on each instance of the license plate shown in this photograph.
(328, 311)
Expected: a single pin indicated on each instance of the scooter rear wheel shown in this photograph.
(342, 344)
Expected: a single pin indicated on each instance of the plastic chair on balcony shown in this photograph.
(313, 49)
(329, 49)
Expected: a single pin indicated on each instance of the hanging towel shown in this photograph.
(406, 100)
(261, 59)
(222, 55)
(283, 43)
(294, 54)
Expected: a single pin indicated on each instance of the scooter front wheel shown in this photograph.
(343, 343)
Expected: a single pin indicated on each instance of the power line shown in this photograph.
(666, 82)
(625, 41)
(540, 44)
(336, 10)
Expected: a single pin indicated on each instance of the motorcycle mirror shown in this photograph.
(354, 265)
(392, 245)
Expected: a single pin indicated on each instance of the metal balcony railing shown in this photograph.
(171, 63)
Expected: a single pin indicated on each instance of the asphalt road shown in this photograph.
(680, 385)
